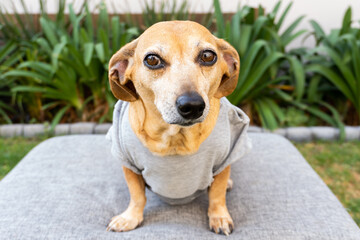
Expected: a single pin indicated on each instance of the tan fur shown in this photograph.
(152, 94)
(133, 216)
(165, 139)
(219, 217)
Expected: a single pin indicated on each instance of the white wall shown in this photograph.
(328, 13)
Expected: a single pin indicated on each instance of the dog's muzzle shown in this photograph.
(190, 105)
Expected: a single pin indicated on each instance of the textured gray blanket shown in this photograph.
(69, 188)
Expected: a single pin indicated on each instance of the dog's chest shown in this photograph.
(178, 176)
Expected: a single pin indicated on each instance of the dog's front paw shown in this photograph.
(221, 223)
(124, 222)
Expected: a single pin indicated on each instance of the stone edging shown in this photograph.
(32, 130)
(307, 134)
(297, 134)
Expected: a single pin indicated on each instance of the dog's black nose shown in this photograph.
(190, 105)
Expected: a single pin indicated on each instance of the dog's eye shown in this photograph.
(207, 58)
(153, 62)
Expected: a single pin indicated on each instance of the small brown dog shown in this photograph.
(172, 81)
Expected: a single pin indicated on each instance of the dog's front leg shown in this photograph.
(219, 217)
(133, 216)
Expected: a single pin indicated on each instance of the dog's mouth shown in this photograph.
(186, 124)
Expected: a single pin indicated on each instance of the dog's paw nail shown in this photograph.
(230, 185)
(221, 225)
(231, 226)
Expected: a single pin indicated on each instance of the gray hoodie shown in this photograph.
(180, 179)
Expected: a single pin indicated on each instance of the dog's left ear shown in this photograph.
(231, 70)
(120, 71)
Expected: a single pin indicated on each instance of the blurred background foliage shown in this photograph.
(53, 68)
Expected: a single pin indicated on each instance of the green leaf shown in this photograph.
(7, 49)
(266, 115)
(23, 73)
(40, 67)
(48, 31)
(235, 28)
(12, 59)
(77, 62)
(84, 37)
(281, 20)
(244, 38)
(261, 87)
(99, 48)
(58, 48)
(75, 22)
(288, 40)
(258, 25)
(276, 110)
(314, 111)
(299, 74)
(32, 89)
(88, 22)
(355, 51)
(312, 90)
(88, 53)
(319, 32)
(338, 60)
(248, 60)
(257, 73)
(346, 24)
(115, 30)
(58, 116)
(276, 8)
(44, 45)
(103, 22)
(332, 77)
(291, 28)
(337, 119)
(105, 41)
(4, 115)
(220, 24)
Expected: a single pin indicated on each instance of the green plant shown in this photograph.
(270, 76)
(67, 66)
(263, 57)
(154, 11)
(59, 72)
(336, 59)
(9, 56)
(164, 11)
(16, 27)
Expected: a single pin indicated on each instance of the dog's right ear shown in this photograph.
(120, 72)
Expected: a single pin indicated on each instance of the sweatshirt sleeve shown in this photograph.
(114, 135)
(240, 143)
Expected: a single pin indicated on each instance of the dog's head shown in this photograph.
(178, 66)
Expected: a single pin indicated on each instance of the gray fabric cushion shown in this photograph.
(69, 188)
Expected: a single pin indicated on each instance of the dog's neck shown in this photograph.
(164, 139)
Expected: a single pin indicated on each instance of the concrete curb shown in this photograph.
(33, 130)
(296, 134)
(307, 134)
